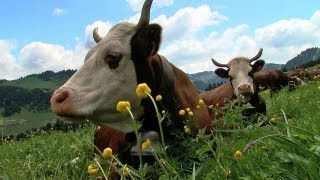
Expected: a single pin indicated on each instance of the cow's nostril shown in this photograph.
(61, 97)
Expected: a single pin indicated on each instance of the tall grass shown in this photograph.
(284, 144)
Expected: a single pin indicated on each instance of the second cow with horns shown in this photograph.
(240, 72)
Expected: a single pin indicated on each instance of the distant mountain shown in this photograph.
(310, 54)
(272, 66)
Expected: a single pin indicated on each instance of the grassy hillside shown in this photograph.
(46, 80)
(283, 145)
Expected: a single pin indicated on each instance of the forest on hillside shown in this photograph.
(13, 99)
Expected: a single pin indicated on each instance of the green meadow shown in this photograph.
(284, 144)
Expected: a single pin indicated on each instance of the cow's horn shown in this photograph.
(145, 14)
(96, 35)
(257, 56)
(218, 64)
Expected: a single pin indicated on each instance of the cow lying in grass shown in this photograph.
(273, 80)
(240, 71)
(125, 57)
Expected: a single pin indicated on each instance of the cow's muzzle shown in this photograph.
(245, 90)
(61, 103)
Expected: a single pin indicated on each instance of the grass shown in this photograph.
(27, 120)
(283, 145)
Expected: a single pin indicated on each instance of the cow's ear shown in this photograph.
(222, 73)
(146, 42)
(258, 65)
(154, 37)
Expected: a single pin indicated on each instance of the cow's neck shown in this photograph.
(157, 72)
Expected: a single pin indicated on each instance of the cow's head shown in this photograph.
(240, 71)
(109, 74)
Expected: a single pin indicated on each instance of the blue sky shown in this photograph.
(36, 36)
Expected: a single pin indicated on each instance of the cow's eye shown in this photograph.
(113, 59)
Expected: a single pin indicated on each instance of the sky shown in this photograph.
(36, 36)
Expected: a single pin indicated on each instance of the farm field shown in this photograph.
(284, 144)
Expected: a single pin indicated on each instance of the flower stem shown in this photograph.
(159, 119)
(137, 135)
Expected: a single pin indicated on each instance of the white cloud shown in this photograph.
(9, 69)
(58, 12)
(136, 5)
(103, 28)
(281, 41)
(37, 57)
(188, 21)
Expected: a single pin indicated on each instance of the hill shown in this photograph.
(46, 80)
(307, 56)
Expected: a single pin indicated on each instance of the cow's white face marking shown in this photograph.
(107, 76)
(239, 69)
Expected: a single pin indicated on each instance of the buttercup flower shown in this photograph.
(146, 144)
(163, 111)
(201, 102)
(190, 113)
(123, 105)
(91, 170)
(187, 109)
(107, 152)
(238, 155)
(125, 171)
(273, 120)
(143, 90)
(182, 112)
(158, 98)
(210, 107)
(198, 106)
(186, 129)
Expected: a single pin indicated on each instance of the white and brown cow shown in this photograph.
(240, 71)
(125, 57)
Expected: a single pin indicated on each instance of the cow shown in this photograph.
(240, 73)
(300, 73)
(273, 80)
(112, 69)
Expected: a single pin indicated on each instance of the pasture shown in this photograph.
(285, 144)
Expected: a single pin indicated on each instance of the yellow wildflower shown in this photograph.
(190, 113)
(319, 87)
(158, 98)
(273, 120)
(238, 155)
(186, 129)
(163, 111)
(210, 107)
(146, 144)
(182, 112)
(107, 152)
(198, 106)
(126, 171)
(123, 105)
(187, 109)
(91, 170)
(143, 90)
(201, 102)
